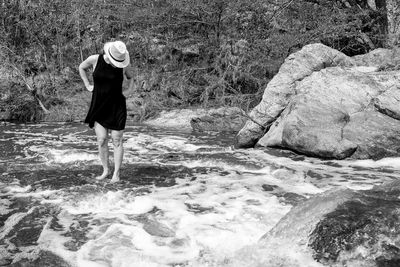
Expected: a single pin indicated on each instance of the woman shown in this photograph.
(107, 112)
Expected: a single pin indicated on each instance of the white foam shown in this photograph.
(385, 162)
(13, 189)
(121, 245)
(110, 203)
(365, 69)
(48, 236)
(228, 213)
(62, 156)
(145, 143)
(204, 221)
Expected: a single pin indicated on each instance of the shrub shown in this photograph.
(21, 105)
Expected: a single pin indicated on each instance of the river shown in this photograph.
(185, 199)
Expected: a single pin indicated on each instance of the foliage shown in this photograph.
(21, 105)
(186, 52)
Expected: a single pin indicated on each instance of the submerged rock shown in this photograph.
(325, 104)
(155, 228)
(343, 228)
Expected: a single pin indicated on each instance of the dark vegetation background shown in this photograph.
(185, 53)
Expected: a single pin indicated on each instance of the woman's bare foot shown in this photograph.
(115, 177)
(106, 172)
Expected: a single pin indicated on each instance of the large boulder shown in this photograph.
(325, 104)
(365, 230)
(341, 227)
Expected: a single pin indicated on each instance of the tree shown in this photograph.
(393, 21)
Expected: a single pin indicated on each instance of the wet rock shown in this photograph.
(391, 262)
(317, 175)
(370, 221)
(5, 262)
(179, 242)
(162, 176)
(290, 198)
(156, 228)
(196, 208)
(44, 259)
(56, 178)
(27, 231)
(324, 104)
(78, 233)
(267, 187)
(344, 227)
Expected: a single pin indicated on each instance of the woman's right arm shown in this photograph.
(91, 61)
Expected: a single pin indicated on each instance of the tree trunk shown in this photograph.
(393, 19)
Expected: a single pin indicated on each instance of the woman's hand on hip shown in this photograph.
(89, 87)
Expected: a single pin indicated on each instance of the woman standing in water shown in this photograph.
(107, 112)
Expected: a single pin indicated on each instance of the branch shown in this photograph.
(22, 76)
(280, 9)
(45, 110)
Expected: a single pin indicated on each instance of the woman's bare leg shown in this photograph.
(102, 141)
(117, 137)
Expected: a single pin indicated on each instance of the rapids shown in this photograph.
(185, 199)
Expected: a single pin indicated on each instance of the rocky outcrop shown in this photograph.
(222, 119)
(178, 118)
(325, 104)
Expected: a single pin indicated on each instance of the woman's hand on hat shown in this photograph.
(89, 87)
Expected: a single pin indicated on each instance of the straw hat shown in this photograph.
(117, 54)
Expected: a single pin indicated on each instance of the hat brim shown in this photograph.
(118, 64)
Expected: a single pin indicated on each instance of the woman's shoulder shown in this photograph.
(93, 58)
(89, 61)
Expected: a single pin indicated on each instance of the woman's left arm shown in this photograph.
(128, 72)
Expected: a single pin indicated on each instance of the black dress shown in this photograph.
(108, 105)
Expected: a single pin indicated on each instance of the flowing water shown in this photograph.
(185, 199)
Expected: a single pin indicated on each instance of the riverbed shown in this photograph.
(185, 198)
